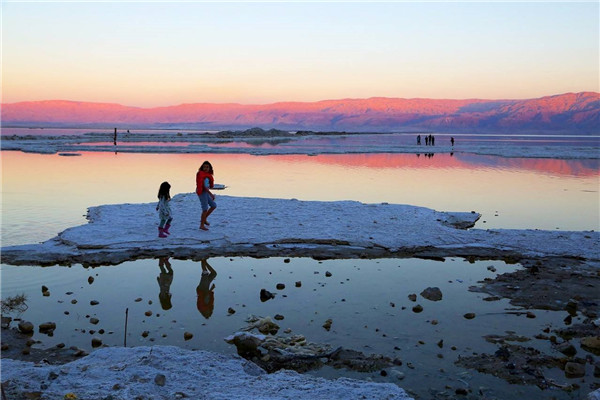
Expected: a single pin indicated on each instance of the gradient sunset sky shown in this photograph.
(158, 54)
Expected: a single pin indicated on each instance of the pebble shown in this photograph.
(298, 283)
(469, 315)
(94, 302)
(230, 311)
(327, 324)
(94, 320)
(418, 308)
(25, 327)
(96, 342)
(280, 286)
(148, 313)
(188, 335)
(160, 379)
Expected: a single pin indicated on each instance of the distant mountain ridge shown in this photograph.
(569, 113)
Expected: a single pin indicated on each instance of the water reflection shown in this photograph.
(205, 292)
(165, 278)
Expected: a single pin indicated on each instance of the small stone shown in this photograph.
(25, 327)
(266, 295)
(60, 345)
(530, 314)
(91, 280)
(160, 379)
(188, 335)
(327, 324)
(148, 313)
(230, 311)
(327, 274)
(280, 286)
(461, 391)
(469, 315)
(74, 301)
(418, 308)
(4, 347)
(287, 260)
(278, 317)
(44, 288)
(47, 326)
(96, 342)
(26, 351)
(46, 294)
(412, 297)
(298, 283)
(94, 302)
(145, 333)
(94, 320)
(574, 370)
(567, 349)
(138, 300)
(432, 294)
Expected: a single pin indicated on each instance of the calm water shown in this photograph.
(45, 194)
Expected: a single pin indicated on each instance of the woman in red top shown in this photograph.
(205, 182)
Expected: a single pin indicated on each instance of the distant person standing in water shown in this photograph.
(205, 182)
(419, 140)
(115, 137)
(164, 209)
(452, 141)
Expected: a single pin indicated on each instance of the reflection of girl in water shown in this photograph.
(164, 282)
(206, 295)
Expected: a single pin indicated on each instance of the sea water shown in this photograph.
(366, 299)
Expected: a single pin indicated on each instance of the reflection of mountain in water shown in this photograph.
(580, 168)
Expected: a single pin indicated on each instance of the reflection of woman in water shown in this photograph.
(206, 295)
(164, 282)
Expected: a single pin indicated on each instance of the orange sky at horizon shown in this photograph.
(163, 54)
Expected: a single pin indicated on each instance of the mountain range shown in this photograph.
(564, 113)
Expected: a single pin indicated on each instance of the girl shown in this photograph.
(205, 182)
(164, 210)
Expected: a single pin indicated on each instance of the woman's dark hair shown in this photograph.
(210, 168)
(163, 191)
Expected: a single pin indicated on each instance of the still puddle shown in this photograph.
(367, 301)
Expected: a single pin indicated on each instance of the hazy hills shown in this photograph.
(569, 113)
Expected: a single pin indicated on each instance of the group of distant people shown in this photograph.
(430, 140)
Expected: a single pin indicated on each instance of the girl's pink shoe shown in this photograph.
(161, 233)
(166, 229)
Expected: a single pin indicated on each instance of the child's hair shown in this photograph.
(163, 191)
(210, 168)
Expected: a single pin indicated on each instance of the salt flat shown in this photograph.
(245, 226)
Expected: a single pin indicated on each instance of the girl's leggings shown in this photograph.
(165, 221)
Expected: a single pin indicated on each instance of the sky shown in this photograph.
(151, 54)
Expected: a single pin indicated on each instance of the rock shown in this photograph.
(26, 351)
(397, 374)
(530, 314)
(327, 274)
(574, 370)
(188, 335)
(266, 295)
(145, 333)
(91, 280)
(44, 288)
(418, 308)
(591, 343)
(148, 313)
(491, 268)
(327, 324)
(6, 321)
(469, 315)
(230, 311)
(94, 302)
(160, 379)
(46, 293)
(4, 347)
(96, 342)
(567, 349)
(287, 260)
(47, 326)
(298, 283)
(138, 300)
(278, 317)
(94, 320)
(432, 294)
(412, 297)
(280, 286)
(25, 327)
(74, 301)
